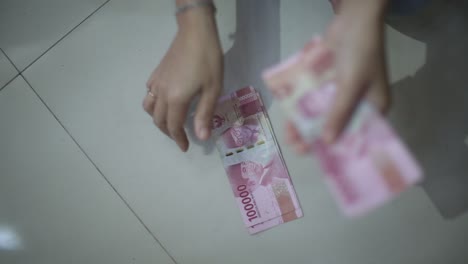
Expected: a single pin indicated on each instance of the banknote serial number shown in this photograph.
(247, 202)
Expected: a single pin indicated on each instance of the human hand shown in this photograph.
(356, 38)
(192, 66)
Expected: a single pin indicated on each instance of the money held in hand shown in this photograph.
(368, 164)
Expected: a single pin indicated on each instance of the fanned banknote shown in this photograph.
(368, 164)
(253, 162)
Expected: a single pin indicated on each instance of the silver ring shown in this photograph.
(151, 94)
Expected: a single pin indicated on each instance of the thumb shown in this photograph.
(348, 95)
(379, 93)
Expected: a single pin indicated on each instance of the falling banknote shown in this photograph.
(253, 162)
(368, 164)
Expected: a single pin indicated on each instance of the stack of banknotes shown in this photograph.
(368, 164)
(253, 162)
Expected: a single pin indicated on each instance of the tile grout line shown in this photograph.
(64, 36)
(20, 74)
(14, 66)
(48, 49)
(99, 171)
(10, 81)
(8, 58)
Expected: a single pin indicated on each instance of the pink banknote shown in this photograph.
(256, 171)
(368, 165)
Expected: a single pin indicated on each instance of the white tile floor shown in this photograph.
(7, 70)
(86, 178)
(56, 207)
(30, 27)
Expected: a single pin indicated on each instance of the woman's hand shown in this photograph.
(192, 66)
(356, 37)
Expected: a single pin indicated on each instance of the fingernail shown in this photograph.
(204, 133)
(198, 129)
(183, 147)
(301, 149)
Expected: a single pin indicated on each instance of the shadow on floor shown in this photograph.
(431, 107)
(256, 47)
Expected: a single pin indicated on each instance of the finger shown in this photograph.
(148, 104)
(302, 148)
(348, 94)
(379, 95)
(149, 84)
(293, 138)
(176, 116)
(312, 44)
(160, 114)
(335, 5)
(292, 135)
(322, 62)
(204, 112)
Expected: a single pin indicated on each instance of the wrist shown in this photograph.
(194, 26)
(195, 17)
(368, 9)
